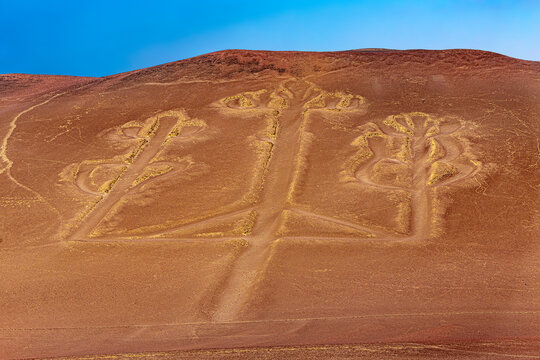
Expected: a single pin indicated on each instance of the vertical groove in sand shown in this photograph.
(273, 200)
(420, 195)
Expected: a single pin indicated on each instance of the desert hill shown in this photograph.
(273, 199)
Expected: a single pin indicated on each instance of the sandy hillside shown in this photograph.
(276, 204)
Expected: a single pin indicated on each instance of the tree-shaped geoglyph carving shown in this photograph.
(98, 176)
(144, 145)
(306, 98)
(288, 107)
(410, 156)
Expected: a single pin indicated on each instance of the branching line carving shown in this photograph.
(413, 156)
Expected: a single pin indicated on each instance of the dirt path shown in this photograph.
(420, 209)
(125, 182)
(8, 163)
(273, 201)
(12, 126)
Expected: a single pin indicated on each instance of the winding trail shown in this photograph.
(9, 163)
(12, 126)
(124, 183)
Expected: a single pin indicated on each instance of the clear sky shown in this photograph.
(103, 37)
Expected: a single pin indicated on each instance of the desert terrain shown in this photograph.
(253, 204)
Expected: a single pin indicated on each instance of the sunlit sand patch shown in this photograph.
(17, 202)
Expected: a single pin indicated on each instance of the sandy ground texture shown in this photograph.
(274, 205)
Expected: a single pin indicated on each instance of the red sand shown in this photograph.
(277, 204)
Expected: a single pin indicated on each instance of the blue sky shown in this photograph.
(96, 38)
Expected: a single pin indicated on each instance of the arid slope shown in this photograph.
(271, 199)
